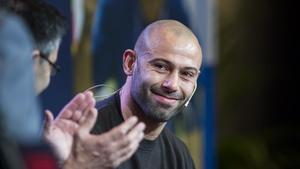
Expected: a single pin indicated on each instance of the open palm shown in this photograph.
(59, 133)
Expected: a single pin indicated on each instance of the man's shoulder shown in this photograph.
(170, 136)
(176, 150)
(107, 102)
(108, 114)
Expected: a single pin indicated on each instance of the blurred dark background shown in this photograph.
(258, 85)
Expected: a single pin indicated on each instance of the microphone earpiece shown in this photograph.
(188, 101)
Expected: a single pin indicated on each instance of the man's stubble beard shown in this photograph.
(152, 110)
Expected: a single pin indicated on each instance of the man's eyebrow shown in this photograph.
(161, 60)
(192, 68)
(168, 62)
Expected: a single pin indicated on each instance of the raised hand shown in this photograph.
(59, 133)
(107, 150)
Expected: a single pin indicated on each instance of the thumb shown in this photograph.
(48, 120)
(87, 122)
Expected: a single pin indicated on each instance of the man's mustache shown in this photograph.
(170, 95)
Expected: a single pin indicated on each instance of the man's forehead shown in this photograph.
(171, 38)
(185, 51)
(174, 59)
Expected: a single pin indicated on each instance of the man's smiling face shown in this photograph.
(165, 76)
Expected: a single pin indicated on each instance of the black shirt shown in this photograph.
(165, 152)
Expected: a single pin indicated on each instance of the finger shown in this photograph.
(88, 121)
(81, 102)
(91, 101)
(78, 105)
(82, 117)
(48, 119)
(68, 125)
(136, 132)
(122, 129)
(90, 105)
(132, 136)
(125, 153)
(76, 115)
(72, 106)
(88, 102)
(89, 96)
(64, 114)
(76, 101)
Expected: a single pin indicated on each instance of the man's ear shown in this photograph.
(36, 59)
(35, 54)
(129, 61)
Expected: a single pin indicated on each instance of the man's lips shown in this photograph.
(165, 99)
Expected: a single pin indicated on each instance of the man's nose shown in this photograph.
(170, 84)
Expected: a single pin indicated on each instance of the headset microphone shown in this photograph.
(188, 101)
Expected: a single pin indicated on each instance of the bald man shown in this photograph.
(162, 73)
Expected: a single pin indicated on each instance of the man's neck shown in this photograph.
(129, 108)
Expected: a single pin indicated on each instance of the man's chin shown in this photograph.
(162, 116)
(159, 119)
(41, 88)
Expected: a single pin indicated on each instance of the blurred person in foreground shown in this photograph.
(18, 102)
(47, 27)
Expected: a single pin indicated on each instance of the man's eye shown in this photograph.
(161, 67)
(188, 75)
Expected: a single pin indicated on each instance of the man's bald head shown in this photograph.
(165, 34)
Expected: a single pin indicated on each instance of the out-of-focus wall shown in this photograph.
(256, 85)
